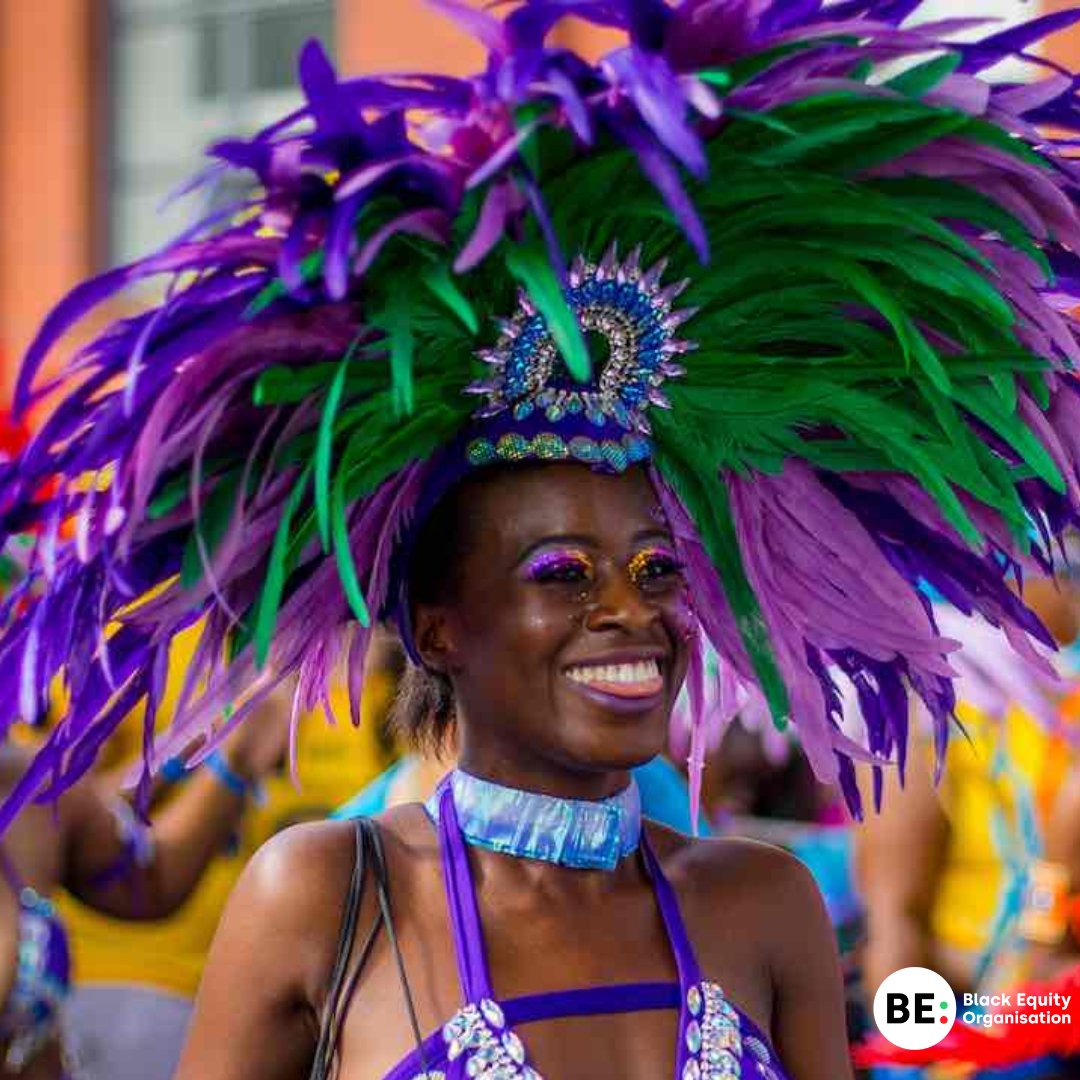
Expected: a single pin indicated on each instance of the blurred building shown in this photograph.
(105, 106)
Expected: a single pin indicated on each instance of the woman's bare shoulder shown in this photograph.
(731, 866)
(309, 866)
(302, 870)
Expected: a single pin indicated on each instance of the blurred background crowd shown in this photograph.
(104, 105)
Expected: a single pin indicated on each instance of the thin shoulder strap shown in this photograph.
(369, 851)
(685, 958)
(461, 901)
(324, 1050)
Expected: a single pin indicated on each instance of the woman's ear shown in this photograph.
(434, 638)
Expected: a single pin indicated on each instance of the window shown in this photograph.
(183, 73)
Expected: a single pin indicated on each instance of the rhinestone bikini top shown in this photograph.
(717, 1041)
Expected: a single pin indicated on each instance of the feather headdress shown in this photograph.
(832, 264)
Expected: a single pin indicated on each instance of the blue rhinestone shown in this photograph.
(584, 449)
(614, 455)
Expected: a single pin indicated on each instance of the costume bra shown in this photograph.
(717, 1041)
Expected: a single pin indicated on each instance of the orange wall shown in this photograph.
(409, 35)
(46, 120)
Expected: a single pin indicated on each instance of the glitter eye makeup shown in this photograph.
(568, 565)
(654, 565)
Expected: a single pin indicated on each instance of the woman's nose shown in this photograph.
(618, 602)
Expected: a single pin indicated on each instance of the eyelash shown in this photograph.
(562, 567)
(653, 566)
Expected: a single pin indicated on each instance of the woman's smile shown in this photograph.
(631, 679)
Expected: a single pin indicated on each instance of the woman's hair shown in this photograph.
(423, 712)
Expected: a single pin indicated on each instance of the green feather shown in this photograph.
(210, 526)
(310, 268)
(270, 598)
(918, 81)
(706, 499)
(344, 557)
(530, 266)
(324, 447)
(441, 284)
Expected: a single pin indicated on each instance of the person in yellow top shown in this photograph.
(943, 870)
(135, 983)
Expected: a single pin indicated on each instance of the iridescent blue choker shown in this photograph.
(570, 832)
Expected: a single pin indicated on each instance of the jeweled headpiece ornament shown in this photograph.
(879, 242)
(618, 302)
(543, 412)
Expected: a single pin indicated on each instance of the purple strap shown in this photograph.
(685, 957)
(461, 899)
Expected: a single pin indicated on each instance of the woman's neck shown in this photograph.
(542, 776)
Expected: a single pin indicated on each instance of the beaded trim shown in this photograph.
(618, 454)
(491, 1050)
(625, 305)
(714, 1039)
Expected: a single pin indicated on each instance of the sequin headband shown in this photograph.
(534, 411)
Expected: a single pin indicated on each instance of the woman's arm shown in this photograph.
(1048, 959)
(809, 1020)
(270, 963)
(102, 865)
(898, 858)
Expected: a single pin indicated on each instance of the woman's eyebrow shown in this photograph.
(655, 533)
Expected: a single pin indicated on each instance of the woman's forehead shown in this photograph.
(520, 506)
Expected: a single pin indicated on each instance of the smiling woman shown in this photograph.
(566, 625)
(742, 335)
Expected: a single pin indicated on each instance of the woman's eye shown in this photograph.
(655, 568)
(568, 573)
(563, 571)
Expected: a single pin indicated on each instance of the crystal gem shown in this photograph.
(492, 1013)
(514, 1047)
(693, 1037)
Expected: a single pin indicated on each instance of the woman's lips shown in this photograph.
(634, 684)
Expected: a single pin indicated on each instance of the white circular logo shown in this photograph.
(915, 1008)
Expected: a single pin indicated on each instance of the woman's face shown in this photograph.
(565, 634)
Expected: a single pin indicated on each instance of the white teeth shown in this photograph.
(643, 671)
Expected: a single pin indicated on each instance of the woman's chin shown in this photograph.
(617, 741)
